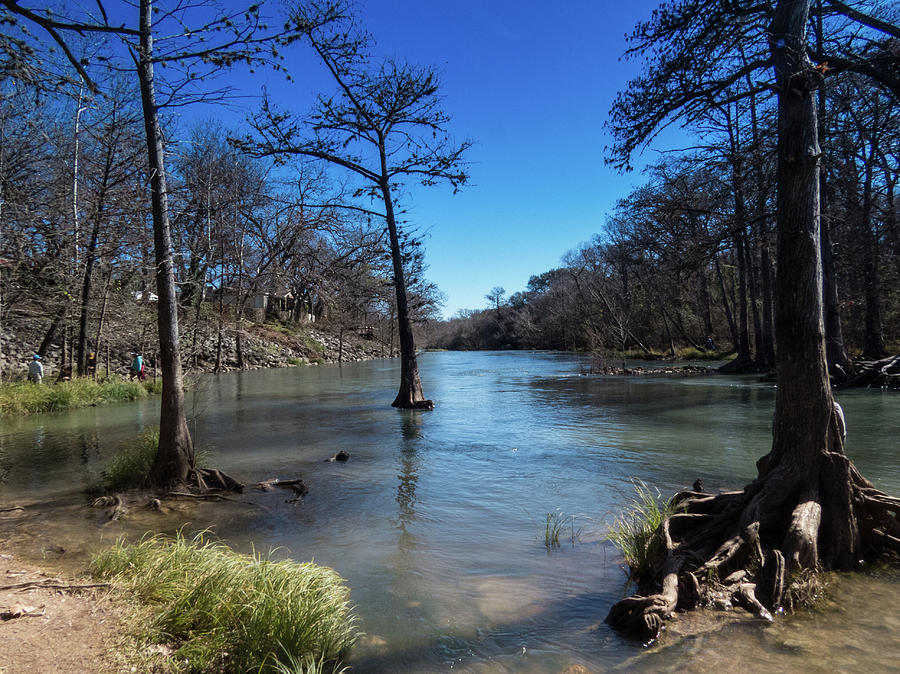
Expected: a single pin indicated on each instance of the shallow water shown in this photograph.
(437, 519)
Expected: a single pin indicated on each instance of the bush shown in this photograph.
(232, 611)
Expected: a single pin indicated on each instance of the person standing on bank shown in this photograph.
(36, 369)
(137, 367)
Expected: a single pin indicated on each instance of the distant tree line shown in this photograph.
(690, 254)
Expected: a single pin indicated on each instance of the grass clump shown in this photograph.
(230, 611)
(636, 531)
(556, 524)
(129, 468)
(23, 398)
(697, 354)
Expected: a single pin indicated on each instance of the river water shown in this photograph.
(437, 520)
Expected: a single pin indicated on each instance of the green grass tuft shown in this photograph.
(231, 611)
(130, 467)
(636, 531)
(23, 398)
(696, 354)
(557, 524)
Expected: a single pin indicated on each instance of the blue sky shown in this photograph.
(531, 84)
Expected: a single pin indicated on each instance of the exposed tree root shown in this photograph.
(205, 480)
(751, 547)
(884, 373)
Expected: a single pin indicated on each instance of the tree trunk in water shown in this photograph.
(410, 395)
(175, 457)
(808, 507)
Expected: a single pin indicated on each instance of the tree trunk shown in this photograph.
(874, 341)
(766, 351)
(839, 364)
(809, 507)
(410, 395)
(175, 457)
(99, 334)
(51, 331)
(703, 302)
(89, 260)
(732, 328)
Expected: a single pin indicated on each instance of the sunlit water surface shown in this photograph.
(437, 520)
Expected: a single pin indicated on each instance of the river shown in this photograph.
(437, 519)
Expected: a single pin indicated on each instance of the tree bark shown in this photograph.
(803, 401)
(410, 395)
(874, 341)
(175, 457)
(808, 507)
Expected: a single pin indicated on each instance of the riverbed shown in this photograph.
(437, 520)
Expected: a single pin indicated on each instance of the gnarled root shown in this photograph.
(210, 479)
(742, 547)
(645, 616)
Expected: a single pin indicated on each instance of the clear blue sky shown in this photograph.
(531, 84)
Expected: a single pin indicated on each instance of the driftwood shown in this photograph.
(298, 486)
(884, 373)
(53, 584)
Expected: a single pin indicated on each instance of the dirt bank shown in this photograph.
(52, 623)
(262, 345)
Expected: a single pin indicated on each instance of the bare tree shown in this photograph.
(203, 40)
(384, 125)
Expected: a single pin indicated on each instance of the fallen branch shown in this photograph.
(51, 583)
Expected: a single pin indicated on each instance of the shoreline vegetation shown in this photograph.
(24, 398)
(200, 606)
